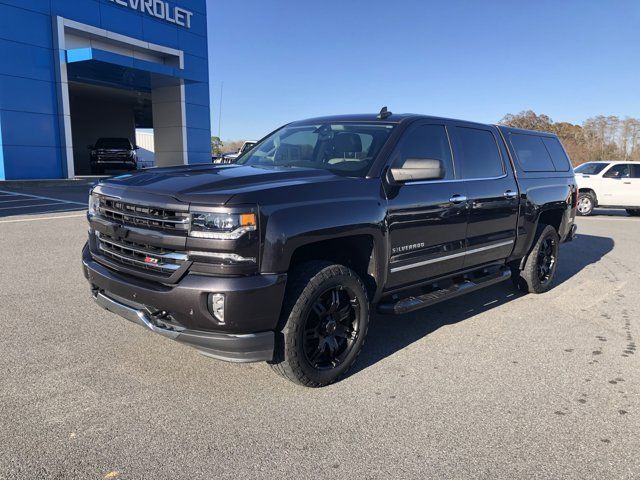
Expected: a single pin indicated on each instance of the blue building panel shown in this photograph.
(121, 20)
(25, 26)
(33, 93)
(192, 43)
(199, 139)
(42, 131)
(27, 95)
(26, 61)
(2, 174)
(155, 31)
(22, 163)
(40, 6)
(84, 11)
(197, 93)
(198, 116)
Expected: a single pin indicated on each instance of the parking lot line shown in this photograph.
(45, 218)
(21, 200)
(30, 206)
(42, 198)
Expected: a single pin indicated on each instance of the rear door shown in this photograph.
(491, 190)
(634, 183)
(427, 219)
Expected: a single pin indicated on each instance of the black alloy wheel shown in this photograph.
(323, 325)
(546, 259)
(331, 328)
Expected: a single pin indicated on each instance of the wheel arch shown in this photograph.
(590, 191)
(359, 252)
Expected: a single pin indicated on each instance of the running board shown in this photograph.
(410, 304)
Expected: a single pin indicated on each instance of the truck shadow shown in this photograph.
(388, 334)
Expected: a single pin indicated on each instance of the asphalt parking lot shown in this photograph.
(492, 385)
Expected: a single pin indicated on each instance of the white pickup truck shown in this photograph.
(608, 185)
(232, 157)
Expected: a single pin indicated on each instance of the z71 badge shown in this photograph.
(407, 248)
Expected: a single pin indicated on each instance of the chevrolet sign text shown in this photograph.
(160, 9)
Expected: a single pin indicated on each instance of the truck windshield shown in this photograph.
(342, 148)
(122, 143)
(591, 168)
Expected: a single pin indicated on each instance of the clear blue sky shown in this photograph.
(283, 60)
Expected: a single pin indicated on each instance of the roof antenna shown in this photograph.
(384, 113)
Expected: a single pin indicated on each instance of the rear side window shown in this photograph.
(478, 156)
(591, 168)
(531, 153)
(558, 155)
(635, 171)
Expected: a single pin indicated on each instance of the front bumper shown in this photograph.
(252, 309)
(572, 233)
(253, 347)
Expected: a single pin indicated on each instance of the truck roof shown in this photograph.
(402, 117)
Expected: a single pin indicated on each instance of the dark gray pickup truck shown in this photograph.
(283, 256)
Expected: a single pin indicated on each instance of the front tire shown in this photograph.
(586, 204)
(540, 268)
(324, 322)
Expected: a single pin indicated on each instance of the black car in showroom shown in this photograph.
(113, 154)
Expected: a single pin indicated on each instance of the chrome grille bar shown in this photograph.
(143, 216)
(140, 256)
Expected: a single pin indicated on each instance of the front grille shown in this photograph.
(145, 257)
(113, 155)
(144, 216)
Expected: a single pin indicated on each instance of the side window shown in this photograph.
(635, 171)
(618, 171)
(479, 154)
(531, 153)
(426, 142)
(558, 155)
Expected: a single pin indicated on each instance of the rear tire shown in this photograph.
(540, 268)
(633, 212)
(324, 321)
(586, 204)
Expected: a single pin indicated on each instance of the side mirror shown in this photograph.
(415, 169)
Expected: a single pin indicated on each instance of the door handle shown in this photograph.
(458, 199)
(627, 183)
(510, 194)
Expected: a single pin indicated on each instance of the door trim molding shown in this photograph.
(452, 256)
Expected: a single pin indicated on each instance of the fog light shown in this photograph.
(216, 305)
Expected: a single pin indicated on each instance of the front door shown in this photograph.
(615, 186)
(427, 220)
(492, 192)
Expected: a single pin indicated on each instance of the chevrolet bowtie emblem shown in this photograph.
(120, 231)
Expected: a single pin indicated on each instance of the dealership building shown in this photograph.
(73, 71)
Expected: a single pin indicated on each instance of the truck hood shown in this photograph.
(214, 185)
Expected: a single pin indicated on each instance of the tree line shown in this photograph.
(598, 138)
(218, 147)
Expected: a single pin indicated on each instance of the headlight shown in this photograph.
(94, 203)
(222, 226)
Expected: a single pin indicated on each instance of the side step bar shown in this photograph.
(410, 304)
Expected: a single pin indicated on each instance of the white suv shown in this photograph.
(608, 185)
